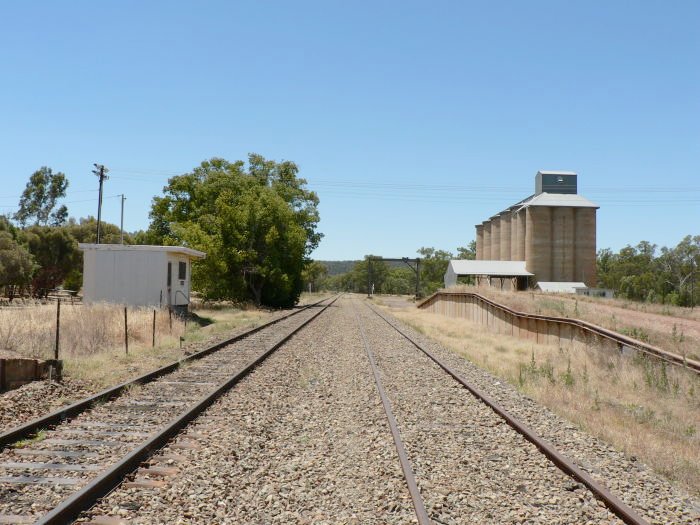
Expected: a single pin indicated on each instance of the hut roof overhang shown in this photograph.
(183, 250)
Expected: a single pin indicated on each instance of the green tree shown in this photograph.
(433, 266)
(679, 268)
(313, 275)
(638, 273)
(360, 275)
(84, 230)
(257, 225)
(16, 264)
(143, 237)
(7, 226)
(468, 252)
(56, 253)
(400, 281)
(40, 196)
(633, 272)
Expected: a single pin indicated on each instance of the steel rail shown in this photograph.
(30, 428)
(616, 505)
(83, 499)
(418, 505)
(620, 339)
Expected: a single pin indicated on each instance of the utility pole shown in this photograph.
(121, 224)
(100, 171)
(369, 277)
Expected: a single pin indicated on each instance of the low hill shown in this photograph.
(340, 267)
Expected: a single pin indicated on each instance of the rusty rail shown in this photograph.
(616, 505)
(418, 505)
(620, 340)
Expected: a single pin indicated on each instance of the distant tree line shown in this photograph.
(646, 273)
(256, 221)
(641, 273)
(393, 278)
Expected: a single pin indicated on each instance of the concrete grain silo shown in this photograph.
(553, 232)
(496, 238)
(487, 241)
(479, 241)
(505, 236)
(585, 263)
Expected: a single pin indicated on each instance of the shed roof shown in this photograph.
(497, 268)
(560, 287)
(142, 248)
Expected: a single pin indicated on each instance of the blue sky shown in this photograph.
(412, 120)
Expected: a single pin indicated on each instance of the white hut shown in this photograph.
(138, 275)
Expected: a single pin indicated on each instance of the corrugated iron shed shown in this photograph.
(459, 267)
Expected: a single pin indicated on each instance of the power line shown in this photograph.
(67, 202)
(20, 196)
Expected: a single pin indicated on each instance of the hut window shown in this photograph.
(182, 271)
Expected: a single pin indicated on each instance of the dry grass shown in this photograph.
(672, 328)
(92, 337)
(85, 330)
(647, 410)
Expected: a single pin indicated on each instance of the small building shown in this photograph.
(606, 293)
(138, 275)
(560, 287)
(506, 275)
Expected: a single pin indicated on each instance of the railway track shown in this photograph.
(58, 465)
(413, 397)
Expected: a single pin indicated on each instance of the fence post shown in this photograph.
(170, 319)
(58, 328)
(126, 332)
(154, 328)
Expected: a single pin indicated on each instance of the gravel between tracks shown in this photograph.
(636, 484)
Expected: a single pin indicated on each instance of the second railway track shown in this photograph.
(466, 458)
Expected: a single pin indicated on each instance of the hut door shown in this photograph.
(170, 282)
